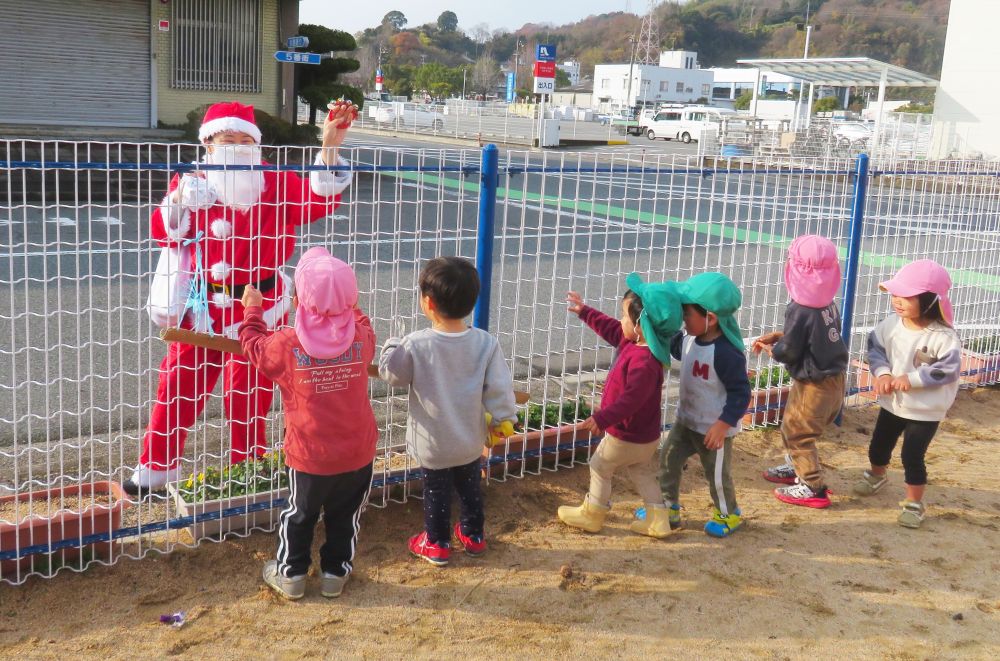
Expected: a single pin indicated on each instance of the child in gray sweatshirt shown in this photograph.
(456, 375)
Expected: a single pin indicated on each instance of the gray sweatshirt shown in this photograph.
(811, 347)
(454, 379)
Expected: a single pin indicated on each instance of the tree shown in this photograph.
(562, 79)
(827, 104)
(447, 21)
(317, 85)
(743, 101)
(485, 75)
(437, 79)
(395, 20)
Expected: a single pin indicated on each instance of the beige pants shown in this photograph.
(635, 458)
(811, 407)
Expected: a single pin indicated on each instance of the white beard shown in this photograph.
(240, 189)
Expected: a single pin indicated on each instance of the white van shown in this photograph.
(685, 123)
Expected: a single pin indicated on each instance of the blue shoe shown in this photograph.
(723, 526)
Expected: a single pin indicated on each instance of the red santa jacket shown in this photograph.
(241, 247)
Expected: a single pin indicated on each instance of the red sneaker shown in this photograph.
(801, 494)
(472, 547)
(421, 547)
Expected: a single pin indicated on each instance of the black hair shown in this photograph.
(697, 308)
(634, 306)
(452, 283)
(930, 307)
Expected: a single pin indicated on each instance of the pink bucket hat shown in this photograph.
(812, 272)
(923, 275)
(327, 291)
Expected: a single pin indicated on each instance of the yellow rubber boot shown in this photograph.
(589, 516)
(656, 524)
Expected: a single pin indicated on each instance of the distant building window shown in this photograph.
(217, 45)
(680, 87)
(605, 83)
(705, 89)
(721, 92)
(664, 85)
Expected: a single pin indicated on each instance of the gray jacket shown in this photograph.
(811, 348)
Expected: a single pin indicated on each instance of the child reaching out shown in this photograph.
(456, 375)
(915, 356)
(714, 393)
(630, 413)
(815, 355)
(321, 366)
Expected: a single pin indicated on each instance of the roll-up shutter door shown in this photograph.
(75, 62)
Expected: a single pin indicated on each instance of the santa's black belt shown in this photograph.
(236, 291)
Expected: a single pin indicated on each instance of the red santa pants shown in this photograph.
(187, 376)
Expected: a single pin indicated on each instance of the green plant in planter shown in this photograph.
(770, 377)
(984, 345)
(553, 414)
(247, 477)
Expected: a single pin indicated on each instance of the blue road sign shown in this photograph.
(297, 58)
(510, 87)
(546, 53)
(298, 42)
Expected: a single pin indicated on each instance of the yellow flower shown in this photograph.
(189, 483)
(201, 477)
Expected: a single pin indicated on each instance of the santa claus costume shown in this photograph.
(242, 225)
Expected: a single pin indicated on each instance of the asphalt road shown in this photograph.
(78, 355)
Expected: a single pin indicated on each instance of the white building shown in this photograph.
(967, 105)
(572, 70)
(728, 84)
(650, 85)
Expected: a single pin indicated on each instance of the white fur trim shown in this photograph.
(220, 271)
(208, 129)
(329, 183)
(176, 221)
(221, 228)
(222, 299)
(150, 478)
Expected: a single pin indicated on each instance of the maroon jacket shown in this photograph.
(632, 402)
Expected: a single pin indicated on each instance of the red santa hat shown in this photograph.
(232, 116)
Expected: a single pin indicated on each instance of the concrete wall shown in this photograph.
(967, 105)
(173, 105)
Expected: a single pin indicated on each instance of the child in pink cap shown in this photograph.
(321, 366)
(815, 356)
(915, 356)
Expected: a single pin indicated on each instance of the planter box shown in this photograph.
(266, 518)
(34, 530)
(767, 406)
(534, 442)
(980, 367)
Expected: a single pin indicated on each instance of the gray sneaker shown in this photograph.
(332, 585)
(290, 588)
(869, 484)
(912, 515)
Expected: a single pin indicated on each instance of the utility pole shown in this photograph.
(517, 56)
(805, 56)
(631, 62)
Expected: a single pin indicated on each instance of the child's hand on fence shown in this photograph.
(765, 341)
(901, 383)
(251, 297)
(715, 437)
(883, 385)
(574, 302)
(590, 425)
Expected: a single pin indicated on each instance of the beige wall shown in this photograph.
(173, 105)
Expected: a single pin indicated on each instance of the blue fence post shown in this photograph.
(854, 248)
(489, 178)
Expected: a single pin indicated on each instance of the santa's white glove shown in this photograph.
(197, 193)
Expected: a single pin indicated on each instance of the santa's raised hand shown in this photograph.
(338, 120)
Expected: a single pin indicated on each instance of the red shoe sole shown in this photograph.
(779, 480)
(815, 503)
(434, 561)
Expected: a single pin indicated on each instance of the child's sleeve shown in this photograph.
(395, 364)
(364, 328)
(731, 367)
(641, 377)
(255, 340)
(878, 357)
(609, 329)
(790, 348)
(498, 388)
(946, 369)
(677, 345)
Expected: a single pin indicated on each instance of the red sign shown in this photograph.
(164, 26)
(378, 79)
(545, 69)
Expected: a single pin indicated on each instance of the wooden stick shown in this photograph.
(220, 343)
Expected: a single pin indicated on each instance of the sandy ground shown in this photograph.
(794, 583)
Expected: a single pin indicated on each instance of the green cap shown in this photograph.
(716, 293)
(661, 316)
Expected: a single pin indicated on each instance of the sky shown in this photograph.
(510, 14)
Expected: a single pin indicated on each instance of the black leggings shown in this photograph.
(917, 435)
(438, 485)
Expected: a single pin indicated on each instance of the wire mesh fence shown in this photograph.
(80, 362)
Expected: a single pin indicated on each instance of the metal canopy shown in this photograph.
(844, 71)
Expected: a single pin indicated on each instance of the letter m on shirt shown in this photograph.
(700, 369)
